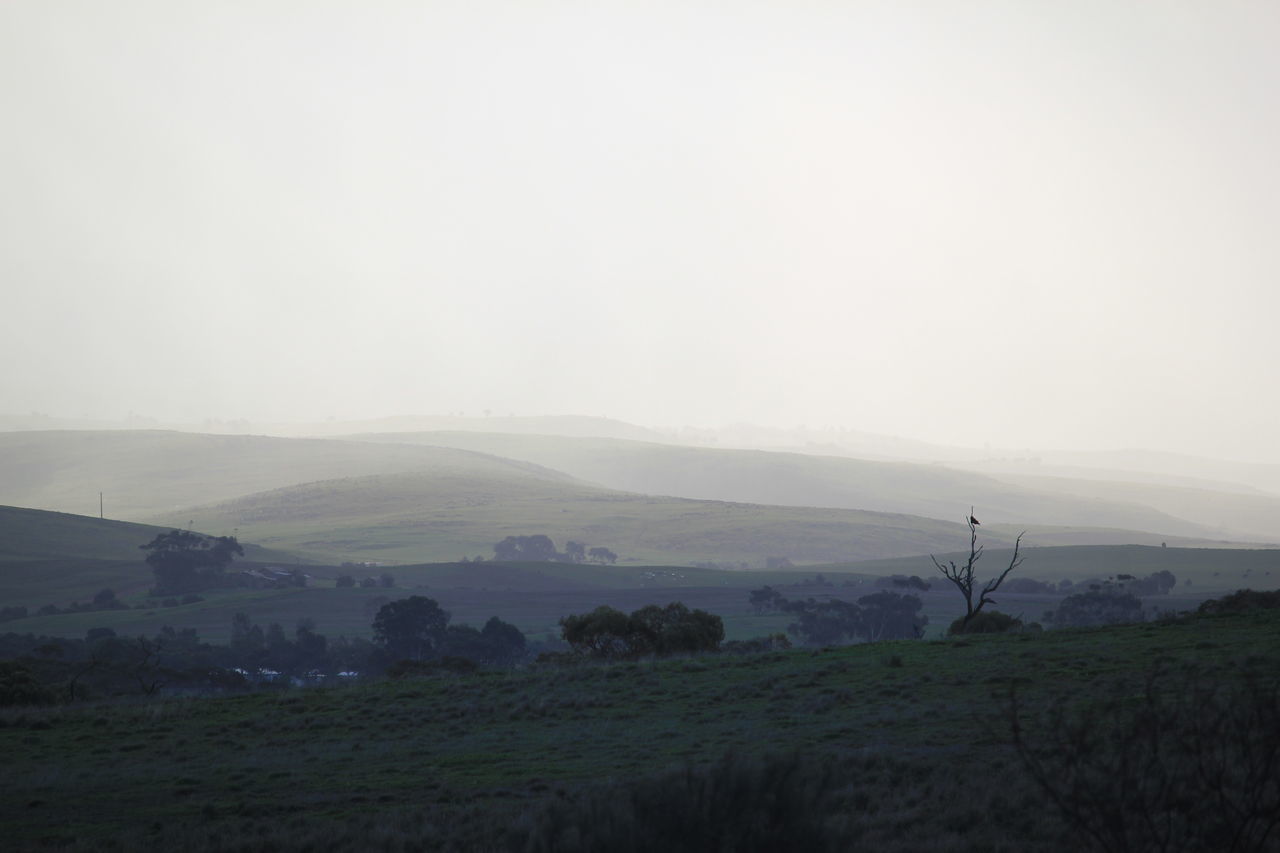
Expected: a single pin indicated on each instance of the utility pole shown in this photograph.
(100, 505)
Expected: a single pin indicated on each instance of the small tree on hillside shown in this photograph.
(412, 628)
(602, 555)
(962, 576)
(184, 561)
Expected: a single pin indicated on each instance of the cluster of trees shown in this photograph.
(417, 629)
(186, 562)
(539, 548)
(104, 664)
(1096, 607)
(904, 582)
(880, 616)
(1111, 602)
(609, 634)
(1031, 586)
(103, 599)
(1157, 583)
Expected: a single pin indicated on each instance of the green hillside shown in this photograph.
(27, 534)
(145, 473)
(797, 479)
(440, 516)
(55, 557)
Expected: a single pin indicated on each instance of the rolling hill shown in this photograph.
(144, 473)
(442, 515)
(55, 557)
(1231, 514)
(803, 480)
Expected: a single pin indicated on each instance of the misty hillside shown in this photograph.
(794, 479)
(421, 517)
(1131, 466)
(48, 557)
(32, 534)
(570, 426)
(145, 473)
(1231, 514)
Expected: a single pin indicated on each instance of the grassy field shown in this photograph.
(918, 728)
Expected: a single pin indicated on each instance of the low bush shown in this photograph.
(18, 686)
(986, 622)
(1190, 763)
(1242, 600)
(739, 803)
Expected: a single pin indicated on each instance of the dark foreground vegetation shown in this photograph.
(1155, 736)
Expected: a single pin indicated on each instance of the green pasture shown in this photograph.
(463, 762)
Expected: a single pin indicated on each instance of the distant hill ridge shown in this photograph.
(797, 479)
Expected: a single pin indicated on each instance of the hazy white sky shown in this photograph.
(1022, 223)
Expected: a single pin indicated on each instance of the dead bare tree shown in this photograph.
(962, 576)
(95, 661)
(148, 669)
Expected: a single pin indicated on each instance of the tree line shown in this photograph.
(539, 548)
(880, 616)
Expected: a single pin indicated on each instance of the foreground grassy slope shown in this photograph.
(470, 763)
(437, 516)
(797, 479)
(144, 473)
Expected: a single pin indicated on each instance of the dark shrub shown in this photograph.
(1188, 764)
(8, 614)
(1102, 606)
(739, 803)
(986, 622)
(1242, 600)
(345, 581)
(19, 687)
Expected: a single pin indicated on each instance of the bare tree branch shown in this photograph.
(962, 576)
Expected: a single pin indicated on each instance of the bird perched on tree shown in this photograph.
(973, 520)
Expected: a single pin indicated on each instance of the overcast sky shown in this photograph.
(1028, 224)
